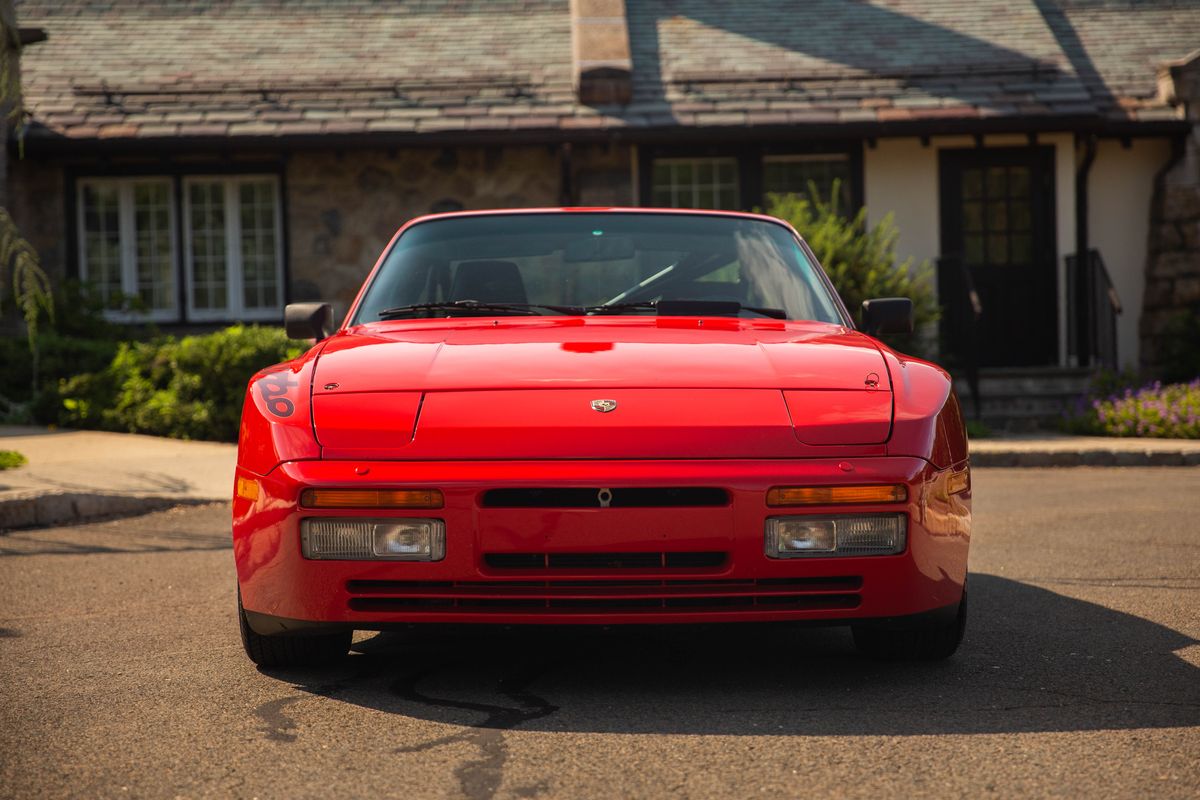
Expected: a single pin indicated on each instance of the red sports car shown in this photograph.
(600, 416)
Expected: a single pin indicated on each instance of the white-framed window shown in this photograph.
(796, 174)
(229, 262)
(233, 247)
(127, 246)
(695, 183)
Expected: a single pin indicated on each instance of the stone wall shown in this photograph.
(343, 207)
(1173, 263)
(35, 200)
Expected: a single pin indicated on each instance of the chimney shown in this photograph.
(603, 69)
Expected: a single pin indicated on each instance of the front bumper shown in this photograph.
(580, 584)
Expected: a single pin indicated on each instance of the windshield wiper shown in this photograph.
(475, 305)
(688, 308)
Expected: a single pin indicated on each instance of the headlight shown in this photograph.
(841, 535)
(360, 539)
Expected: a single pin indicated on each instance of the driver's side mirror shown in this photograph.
(308, 320)
(887, 315)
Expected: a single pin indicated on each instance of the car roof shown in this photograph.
(595, 210)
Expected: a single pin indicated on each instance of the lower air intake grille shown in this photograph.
(605, 561)
(604, 596)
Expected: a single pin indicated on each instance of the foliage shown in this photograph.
(1180, 356)
(59, 357)
(30, 283)
(188, 388)
(10, 72)
(860, 259)
(9, 459)
(977, 430)
(1162, 411)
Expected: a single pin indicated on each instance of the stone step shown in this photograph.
(1024, 399)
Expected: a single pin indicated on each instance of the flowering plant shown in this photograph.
(1170, 411)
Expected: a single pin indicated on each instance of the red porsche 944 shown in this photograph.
(600, 416)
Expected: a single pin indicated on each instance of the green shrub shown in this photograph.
(860, 259)
(1170, 411)
(1181, 348)
(60, 357)
(10, 459)
(189, 388)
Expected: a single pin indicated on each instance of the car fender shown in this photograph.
(927, 419)
(277, 416)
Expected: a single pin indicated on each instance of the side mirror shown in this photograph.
(308, 320)
(887, 315)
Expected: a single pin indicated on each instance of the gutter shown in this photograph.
(40, 141)
(1083, 275)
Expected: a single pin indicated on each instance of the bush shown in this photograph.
(189, 388)
(1170, 411)
(60, 357)
(861, 260)
(11, 459)
(1181, 348)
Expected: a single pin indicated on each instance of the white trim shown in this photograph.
(235, 309)
(127, 238)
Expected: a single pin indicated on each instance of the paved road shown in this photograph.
(122, 676)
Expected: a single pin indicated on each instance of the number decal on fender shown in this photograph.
(274, 387)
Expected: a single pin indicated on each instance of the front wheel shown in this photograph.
(929, 642)
(294, 650)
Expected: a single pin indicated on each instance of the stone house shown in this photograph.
(219, 159)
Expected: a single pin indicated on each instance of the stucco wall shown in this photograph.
(1120, 187)
(901, 177)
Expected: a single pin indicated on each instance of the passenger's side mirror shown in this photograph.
(887, 315)
(308, 320)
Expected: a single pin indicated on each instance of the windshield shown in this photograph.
(587, 262)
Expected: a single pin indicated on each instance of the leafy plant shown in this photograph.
(30, 283)
(1164, 411)
(10, 459)
(860, 258)
(1180, 356)
(188, 388)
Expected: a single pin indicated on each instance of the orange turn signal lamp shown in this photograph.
(371, 498)
(836, 495)
(247, 488)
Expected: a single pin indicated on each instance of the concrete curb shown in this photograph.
(40, 509)
(996, 457)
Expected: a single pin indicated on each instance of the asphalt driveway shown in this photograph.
(1080, 676)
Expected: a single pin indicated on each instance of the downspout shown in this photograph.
(1083, 273)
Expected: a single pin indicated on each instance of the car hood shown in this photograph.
(573, 352)
(524, 389)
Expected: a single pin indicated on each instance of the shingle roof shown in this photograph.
(131, 69)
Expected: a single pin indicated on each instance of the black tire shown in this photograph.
(931, 642)
(292, 650)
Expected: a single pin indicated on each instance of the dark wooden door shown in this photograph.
(997, 215)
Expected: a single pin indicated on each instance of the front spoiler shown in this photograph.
(267, 625)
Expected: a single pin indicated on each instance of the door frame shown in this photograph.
(1044, 192)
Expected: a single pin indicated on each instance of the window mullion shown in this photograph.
(233, 249)
(128, 235)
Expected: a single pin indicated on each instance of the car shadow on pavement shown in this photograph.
(1033, 660)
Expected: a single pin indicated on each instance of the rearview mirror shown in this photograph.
(599, 248)
(887, 315)
(308, 320)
